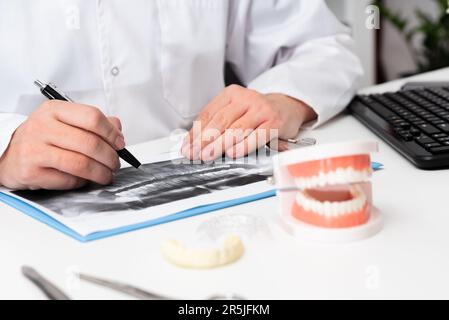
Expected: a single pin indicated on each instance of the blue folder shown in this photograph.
(48, 220)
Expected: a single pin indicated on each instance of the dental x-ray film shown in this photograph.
(158, 189)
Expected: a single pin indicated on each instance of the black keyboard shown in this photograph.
(414, 122)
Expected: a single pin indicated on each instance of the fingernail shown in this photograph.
(196, 152)
(120, 143)
(185, 151)
(230, 153)
(238, 154)
(208, 154)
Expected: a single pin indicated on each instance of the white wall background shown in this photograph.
(353, 13)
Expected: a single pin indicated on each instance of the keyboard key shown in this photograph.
(428, 129)
(404, 125)
(440, 150)
(381, 110)
(440, 135)
(444, 127)
(415, 132)
(422, 140)
(407, 137)
(432, 145)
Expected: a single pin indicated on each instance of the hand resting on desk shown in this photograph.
(239, 121)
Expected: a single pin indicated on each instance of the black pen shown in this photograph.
(51, 92)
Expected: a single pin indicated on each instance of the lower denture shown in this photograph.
(333, 195)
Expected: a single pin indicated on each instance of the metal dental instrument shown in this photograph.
(50, 290)
(305, 142)
(122, 287)
(140, 293)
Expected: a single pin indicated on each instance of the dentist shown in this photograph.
(140, 69)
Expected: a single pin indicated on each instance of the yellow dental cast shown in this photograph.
(184, 257)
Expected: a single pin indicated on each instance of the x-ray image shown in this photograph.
(156, 184)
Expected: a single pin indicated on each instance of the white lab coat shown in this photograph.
(156, 63)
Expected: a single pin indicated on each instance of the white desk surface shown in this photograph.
(408, 259)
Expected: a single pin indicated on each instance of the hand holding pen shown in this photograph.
(62, 145)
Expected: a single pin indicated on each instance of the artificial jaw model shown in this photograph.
(327, 186)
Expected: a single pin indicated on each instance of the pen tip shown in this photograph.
(39, 84)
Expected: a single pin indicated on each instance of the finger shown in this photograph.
(218, 125)
(51, 179)
(88, 118)
(228, 139)
(220, 101)
(78, 165)
(116, 122)
(257, 139)
(187, 149)
(235, 134)
(84, 142)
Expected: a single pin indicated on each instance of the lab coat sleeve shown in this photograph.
(9, 122)
(294, 47)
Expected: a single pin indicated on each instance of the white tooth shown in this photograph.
(299, 198)
(309, 182)
(361, 202)
(305, 183)
(335, 209)
(323, 178)
(330, 178)
(367, 174)
(299, 182)
(356, 205)
(316, 181)
(350, 207)
(348, 175)
(332, 210)
(303, 202)
(339, 176)
(327, 208)
(364, 175)
(353, 206)
(315, 207)
(345, 208)
(308, 204)
(356, 175)
(322, 209)
(340, 208)
(361, 176)
(312, 182)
